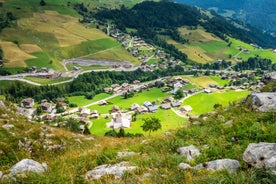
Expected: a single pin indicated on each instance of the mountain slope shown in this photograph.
(43, 36)
(259, 13)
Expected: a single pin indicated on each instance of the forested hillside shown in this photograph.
(260, 13)
(151, 18)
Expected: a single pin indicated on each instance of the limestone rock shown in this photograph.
(28, 165)
(190, 152)
(8, 126)
(264, 101)
(261, 155)
(117, 170)
(125, 154)
(184, 166)
(229, 164)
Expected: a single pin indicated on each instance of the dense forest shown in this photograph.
(153, 18)
(5, 19)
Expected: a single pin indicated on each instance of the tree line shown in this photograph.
(88, 84)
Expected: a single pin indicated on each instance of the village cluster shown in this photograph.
(123, 117)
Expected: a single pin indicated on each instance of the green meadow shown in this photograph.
(204, 47)
(154, 94)
(46, 81)
(82, 101)
(169, 121)
(202, 102)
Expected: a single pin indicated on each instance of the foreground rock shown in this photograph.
(117, 170)
(125, 154)
(184, 166)
(190, 152)
(26, 166)
(265, 102)
(230, 165)
(1, 174)
(261, 155)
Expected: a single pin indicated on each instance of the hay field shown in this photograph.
(14, 55)
(67, 30)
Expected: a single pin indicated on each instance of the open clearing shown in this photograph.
(118, 53)
(82, 101)
(202, 102)
(14, 55)
(66, 29)
(204, 47)
(169, 121)
(154, 94)
(204, 81)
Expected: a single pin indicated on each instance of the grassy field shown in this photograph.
(154, 94)
(117, 53)
(204, 47)
(169, 121)
(204, 81)
(202, 102)
(46, 35)
(82, 101)
(46, 81)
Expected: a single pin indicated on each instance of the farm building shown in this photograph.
(120, 120)
(27, 103)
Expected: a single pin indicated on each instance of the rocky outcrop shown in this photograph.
(26, 166)
(230, 165)
(125, 154)
(264, 102)
(190, 152)
(184, 166)
(117, 170)
(261, 155)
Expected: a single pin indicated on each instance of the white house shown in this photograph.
(120, 120)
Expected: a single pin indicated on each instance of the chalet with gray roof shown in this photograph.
(120, 120)
(102, 102)
(264, 102)
(153, 108)
(95, 114)
(84, 112)
(27, 103)
(175, 104)
(141, 109)
(270, 77)
(134, 106)
(165, 106)
(115, 108)
(46, 107)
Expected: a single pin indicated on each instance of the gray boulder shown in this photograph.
(28, 165)
(190, 152)
(229, 164)
(261, 155)
(264, 102)
(117, 170)
(125, 154)
(1, 174)
(184, 166)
